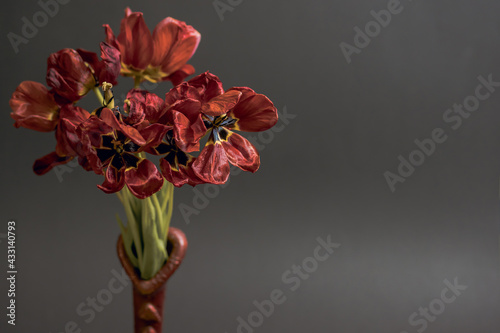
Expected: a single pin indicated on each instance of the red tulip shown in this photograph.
(107, 69)
(69, 75)
(34, 107)
(223, 112)
(68, 145)
(179, 112)
(111, 147)
(157, 57)
(175, 165)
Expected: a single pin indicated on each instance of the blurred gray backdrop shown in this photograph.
(364, 88)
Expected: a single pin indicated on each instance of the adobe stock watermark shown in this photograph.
(292, 279)
(29, 28)
(201, 198)
(87, 310)
(373, 28)
(421, 319)
(453, 118)
(223, 6)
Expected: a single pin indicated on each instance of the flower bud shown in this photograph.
(69, 76)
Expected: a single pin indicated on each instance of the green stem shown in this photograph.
(99, 95)
(161, 217)
(133, 226)
(137, 82)
(148, 221)
(168, 201)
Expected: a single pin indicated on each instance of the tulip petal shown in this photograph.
(89, 57)
(188, 124)
(153, 134)
(176, 167)
(68, 142)
(34, 107)
(148, 103)
(135, 41)
(181, 91)
(254, 112)
(110, 36)
(144, 180)
(114, 180)
(164, 37)
(174, 44)
(240, 152)
(136, 114)
(91, 133)
(46, 163)
(208, 85)
(179, 75)
(212, 165)
(69, 75)
(176, 176)
(110, 119)
(110, 66)
(221, 104)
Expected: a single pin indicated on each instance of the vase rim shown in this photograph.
(178, 240)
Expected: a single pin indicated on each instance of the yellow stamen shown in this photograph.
(108, 95)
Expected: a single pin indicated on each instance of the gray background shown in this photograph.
(321, 175)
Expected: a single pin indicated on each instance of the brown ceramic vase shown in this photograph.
(149, 295)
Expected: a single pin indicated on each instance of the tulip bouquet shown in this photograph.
(190, 132)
